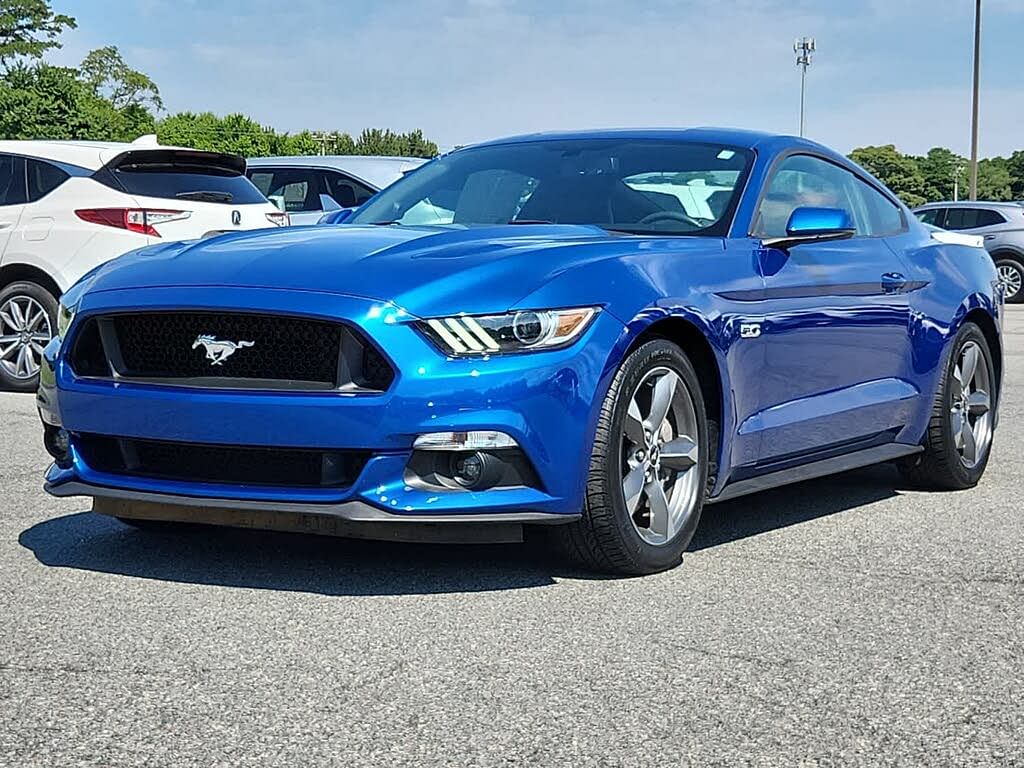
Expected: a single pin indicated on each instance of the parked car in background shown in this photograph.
(584, 337)
(67, 206)
(1000, 225)
(308, 186)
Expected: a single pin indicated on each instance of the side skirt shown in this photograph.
(823, 468)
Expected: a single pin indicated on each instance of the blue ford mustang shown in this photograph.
(601, 330)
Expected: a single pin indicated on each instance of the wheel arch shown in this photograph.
(12, 273)
(1008, 252)
(693, 336)
(984, 320)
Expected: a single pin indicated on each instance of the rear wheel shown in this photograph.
(28, 320)
(648, 469)
(1011, 275)
(959, 436)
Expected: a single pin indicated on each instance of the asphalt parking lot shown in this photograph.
(846, 621)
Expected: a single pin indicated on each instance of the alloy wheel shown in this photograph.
(24, 331)
(1010, 277)
(971, 405)
(660, 447)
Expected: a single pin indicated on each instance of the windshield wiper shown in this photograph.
(206, 196)
(529, 221)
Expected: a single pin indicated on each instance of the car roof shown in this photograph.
(971, 204)
(85, 154)
(375, 170)
(91, 155)
(737, 137)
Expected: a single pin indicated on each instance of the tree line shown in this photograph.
(942, 174)
(105, 99)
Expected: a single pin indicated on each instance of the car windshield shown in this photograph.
(641, 186)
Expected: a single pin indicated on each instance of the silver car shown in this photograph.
(1001, 225)
(308, 186)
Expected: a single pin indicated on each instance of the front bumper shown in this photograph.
(545, 401)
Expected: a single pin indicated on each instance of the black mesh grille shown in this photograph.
(198, 462)
(230, 349)
(164, 345)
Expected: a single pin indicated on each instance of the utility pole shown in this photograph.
(804, 49)
(977, 88)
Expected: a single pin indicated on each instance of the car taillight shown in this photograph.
(280, 219)
(141, 220)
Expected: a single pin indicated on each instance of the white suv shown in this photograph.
(67, 206)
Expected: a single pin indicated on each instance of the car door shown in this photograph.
(835, 321)
(13, 195)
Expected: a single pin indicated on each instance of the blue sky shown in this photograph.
(464, 70)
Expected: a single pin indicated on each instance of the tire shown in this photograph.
(947, 463)
(28, 313)
(609, 538)
(1011, 274)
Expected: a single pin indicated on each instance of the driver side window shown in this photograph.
(803, 181)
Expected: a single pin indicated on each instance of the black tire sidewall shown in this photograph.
(659, 353)
(49, 303)
(965, 476)
(1005, 261)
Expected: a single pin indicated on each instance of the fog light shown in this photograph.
(475, 470)
(57, 442)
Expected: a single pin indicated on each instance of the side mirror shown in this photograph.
(337, 216)
(814, 225)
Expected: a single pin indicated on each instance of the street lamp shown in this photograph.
(804, 50)
(974, 112)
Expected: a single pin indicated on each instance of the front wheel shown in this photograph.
(28, 320)
(959, 437)
(648, 467)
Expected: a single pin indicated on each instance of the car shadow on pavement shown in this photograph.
(794, 504)
(332, 566)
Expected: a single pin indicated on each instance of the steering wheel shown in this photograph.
(658, 216)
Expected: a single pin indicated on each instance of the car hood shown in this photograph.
(424, 270)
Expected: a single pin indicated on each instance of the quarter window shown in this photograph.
(884, 217)
(43, 178)
(931, 216)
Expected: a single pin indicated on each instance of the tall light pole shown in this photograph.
(974, 112)
(804, 50)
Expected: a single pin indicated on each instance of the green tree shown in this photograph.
(106, 72)
(1015, 165)
(234, 133)
(941, 168)
(994, 180)
(45, 102)
(897, 171)
(28, 29)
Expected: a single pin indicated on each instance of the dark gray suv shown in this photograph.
(1002, 227)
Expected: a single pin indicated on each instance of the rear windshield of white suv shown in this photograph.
(166, 178)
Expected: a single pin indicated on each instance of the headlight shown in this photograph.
(528, 330)
(64, 317)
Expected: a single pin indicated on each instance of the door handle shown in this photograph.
(893, 282)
